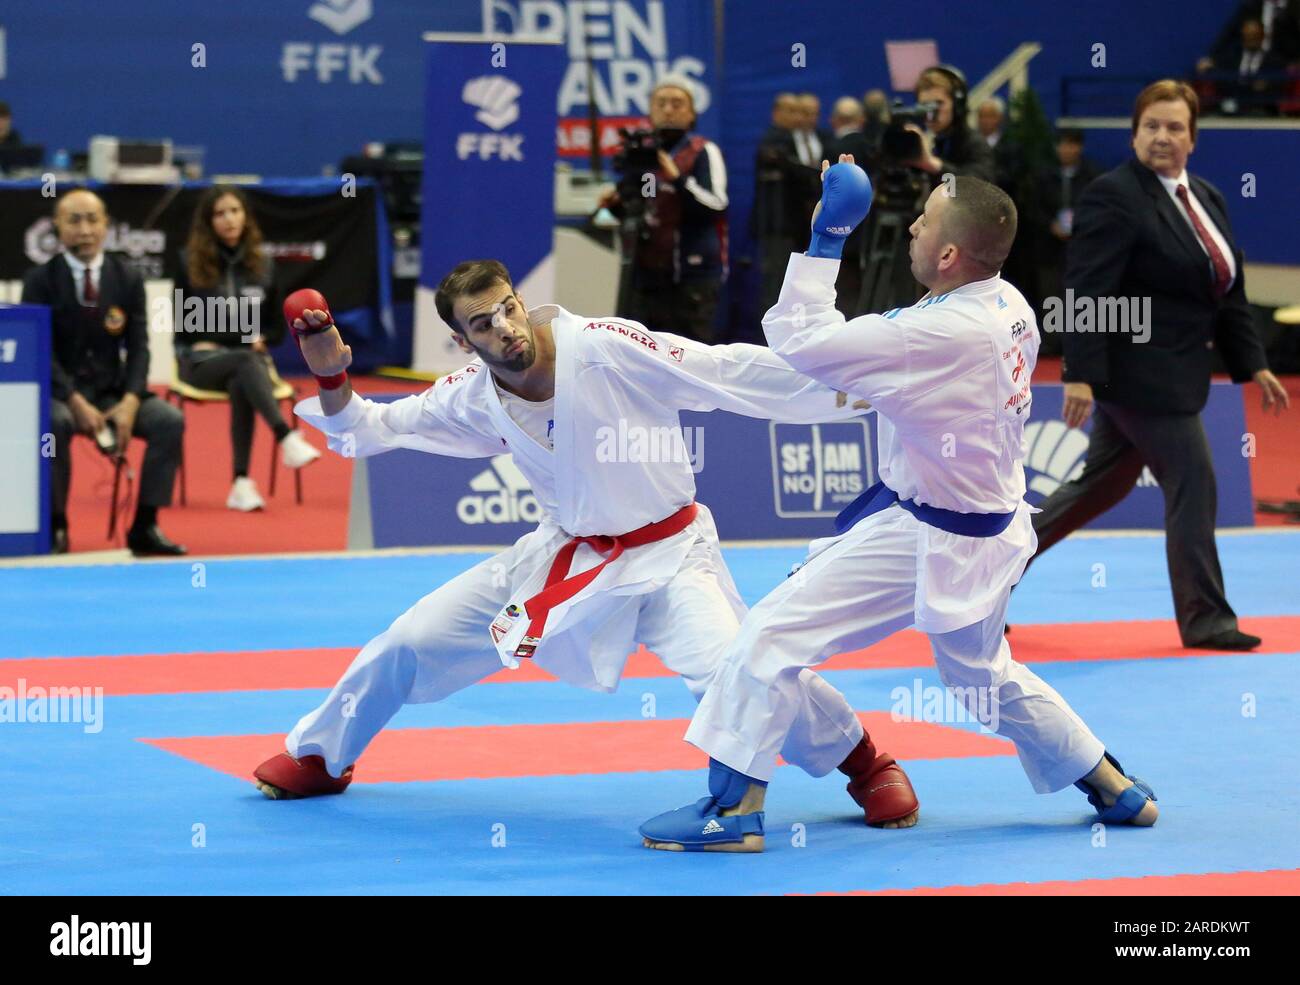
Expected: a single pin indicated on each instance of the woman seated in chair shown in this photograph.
(223, 336)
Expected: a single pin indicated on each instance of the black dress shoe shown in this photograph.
(59, 542)
(152, 542)
(1229, 639)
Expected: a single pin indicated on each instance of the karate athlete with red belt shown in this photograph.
(623, 553)
(937, 544)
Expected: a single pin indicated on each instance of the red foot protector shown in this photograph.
(878, 784)
(305, 777)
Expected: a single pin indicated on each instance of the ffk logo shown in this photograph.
(496, 98)
(357, 63)
(341, 16)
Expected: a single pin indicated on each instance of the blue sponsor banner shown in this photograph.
(761, 479)
(1056, 455)
(615, 51)
(769, 481)
(25, 410)
(489, 171)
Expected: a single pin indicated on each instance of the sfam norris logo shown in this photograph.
(818, 469)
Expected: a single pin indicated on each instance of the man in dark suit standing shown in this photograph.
(780, 228)
(848, 117)
(1054, 196)
(100, 366)
(1149, 230)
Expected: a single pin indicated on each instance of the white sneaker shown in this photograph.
(244, 496)
(296, 451)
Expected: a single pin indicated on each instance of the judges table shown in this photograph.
(24, 423)
(762, 480)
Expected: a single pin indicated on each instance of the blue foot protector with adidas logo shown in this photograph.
(700, 825)
(1129, 804)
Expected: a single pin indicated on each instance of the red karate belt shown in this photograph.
(560, 588)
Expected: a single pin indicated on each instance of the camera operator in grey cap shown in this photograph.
(676, 254)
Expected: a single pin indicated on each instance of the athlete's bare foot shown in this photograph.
(902, 822)
(275, 793)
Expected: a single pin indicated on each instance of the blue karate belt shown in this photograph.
(880, 497)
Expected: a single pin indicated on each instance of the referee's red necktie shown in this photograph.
(89, 292)
(1222, 275)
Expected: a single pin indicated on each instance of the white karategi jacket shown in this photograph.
(949, 380)
(610, 374)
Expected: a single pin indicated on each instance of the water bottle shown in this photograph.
(61, 159)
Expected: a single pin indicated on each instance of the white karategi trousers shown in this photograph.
(854, 590)
(441, 645)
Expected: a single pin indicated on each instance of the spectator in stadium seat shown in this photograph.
(1280, 20)
(228, 319)
(1251, 75)
(8, 135)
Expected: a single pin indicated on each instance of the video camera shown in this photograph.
(638, 154)
(899, 145)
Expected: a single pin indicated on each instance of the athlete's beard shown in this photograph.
(515, 364)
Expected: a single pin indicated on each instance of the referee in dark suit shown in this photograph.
(1148, 229)
(99, 367)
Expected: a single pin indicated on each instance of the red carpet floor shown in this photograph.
(206, 527)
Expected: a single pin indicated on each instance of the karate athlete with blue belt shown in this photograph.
(937, 544)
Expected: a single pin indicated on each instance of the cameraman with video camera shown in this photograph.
(947, 144)
(919, 145)
(672, 200)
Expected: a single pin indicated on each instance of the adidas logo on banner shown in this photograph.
(712, 828)
(500, 494)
